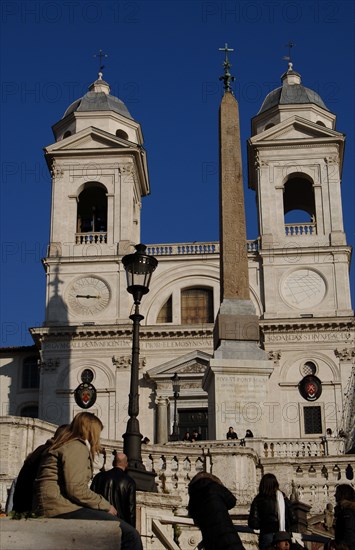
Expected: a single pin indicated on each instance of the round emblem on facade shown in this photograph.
(88, 295)
(303, 289)
(85, 393)
(310, 387)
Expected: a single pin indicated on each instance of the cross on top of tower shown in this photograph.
(288, 57)
(101, 56)
(227, 77)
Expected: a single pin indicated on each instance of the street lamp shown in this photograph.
(176, 389)
(139, 268)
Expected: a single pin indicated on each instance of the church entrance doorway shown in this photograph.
(193, 419)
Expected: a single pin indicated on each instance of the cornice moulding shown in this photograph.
(337, 324)
(107, 332)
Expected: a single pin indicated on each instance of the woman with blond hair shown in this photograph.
(61, 487)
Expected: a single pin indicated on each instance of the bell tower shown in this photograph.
(295, 157)
(99, 176)
(295, 165)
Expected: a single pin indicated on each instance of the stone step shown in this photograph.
(55, 534)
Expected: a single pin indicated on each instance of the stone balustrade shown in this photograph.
(300, 229)
(304, 465)
(91, 238)
(196, 248)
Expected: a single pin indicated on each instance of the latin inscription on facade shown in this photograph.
(144, 345)
(310, 337)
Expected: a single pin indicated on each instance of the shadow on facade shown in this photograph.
(54, 343)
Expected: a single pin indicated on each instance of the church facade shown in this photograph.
(298, 271)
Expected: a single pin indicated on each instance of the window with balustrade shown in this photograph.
(299, 205)
(92, 214)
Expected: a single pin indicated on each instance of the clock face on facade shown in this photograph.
(88, 295)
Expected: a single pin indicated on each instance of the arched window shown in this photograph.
(121, 134)
(30, 373)
(196, 306)
(31, 411)
(166, 313)
(92, 210)
(66, 134)
(321, 123)
(269, 126)
(299, 203)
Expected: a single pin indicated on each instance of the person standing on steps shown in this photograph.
(118, 488)
(270, 511)
(209, 502)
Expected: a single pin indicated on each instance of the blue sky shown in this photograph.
(164, 64)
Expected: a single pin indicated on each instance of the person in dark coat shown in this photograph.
(208, 506)
(118, 488)
(270, 511)
(231, 434)
(344, 513)
(24, 487)
(196, 436)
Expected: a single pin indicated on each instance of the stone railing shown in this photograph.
(300, 229)
(303, 465)
(195, 248)
(91, 238)
(313, 469)
(275, 448)
(291, 448)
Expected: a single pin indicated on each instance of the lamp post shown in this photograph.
(139, 268)
(176, 389)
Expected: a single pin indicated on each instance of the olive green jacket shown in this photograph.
(61, 485)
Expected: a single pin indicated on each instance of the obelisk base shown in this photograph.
(237, 393)
(236, 379)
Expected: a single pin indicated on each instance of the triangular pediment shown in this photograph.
(295, 128)
(191, 364)
(89, 138)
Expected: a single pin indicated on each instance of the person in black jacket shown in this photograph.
(270, 511)
(208, 506)
(24, 487)
(118, 488)
(231, 434)
(344, 513)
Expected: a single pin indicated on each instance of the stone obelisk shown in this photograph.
(239, 370)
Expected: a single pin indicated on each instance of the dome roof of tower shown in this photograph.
(98, 98)
(292, 92)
